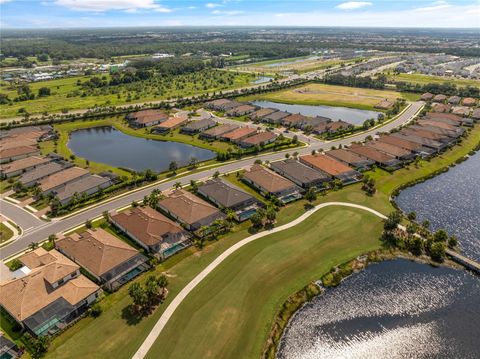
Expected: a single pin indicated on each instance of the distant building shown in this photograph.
(17, 153)
(259, 139)
(170, 124)
(426, 96)
(302, 175)
(146, 118)
(23, 165)
(331, 167)
(360, 163)
(198, 126)
(218, 131)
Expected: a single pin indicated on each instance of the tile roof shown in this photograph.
(188, 207)
(239, 133)
(81, 185)
(262, 112)
(61, 177)
(349, 157)
(400, 142)
(224, 193)
(326, 164)
(372, 153)
(259, 138)
(199, 124)
(267, 179)
(41, 172)
(18, 151)
(220, 130)
(298, 171)
(146, 224)
(25, 296)
(389, 148)
(23, 163)
(96, 250)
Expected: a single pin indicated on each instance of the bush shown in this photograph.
(96, 310)
(15, 264)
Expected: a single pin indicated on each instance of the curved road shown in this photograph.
(162, 321)
(43, 230)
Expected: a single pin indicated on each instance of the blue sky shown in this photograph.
(109, 13)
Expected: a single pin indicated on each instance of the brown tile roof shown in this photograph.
(294, 119)
(427, 96)
(172, 122)
(440, 107)
(18, 151)
(146, 224)
(262, 112)
(259, 138)
(242, 108)
(422, 133)
(337, 125)
(403, 143)
(25, 296)
(440, 98)
(469, 101)
(346, 156)
(389, 148)
(448, 116)
(220, 130)
(23, 163)
(12, 142)
(267, 179)
(326, 164)
(371, 153)
(476, 113)
(240, 133)
(188, 207)
(440, 124)
(61, 177)
(147, 116)
(96, 250)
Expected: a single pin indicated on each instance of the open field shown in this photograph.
(295, 64)
(330, 95)
(115, 334)
(426, 79)
(67, 95)
(241, 296)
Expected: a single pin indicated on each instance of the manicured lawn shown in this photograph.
(66, 94)
(425, 79)
(5, 233)
(329, 95)
(229, 314)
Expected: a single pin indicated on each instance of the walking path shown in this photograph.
(163, 320)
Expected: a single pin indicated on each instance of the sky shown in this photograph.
(130, 13)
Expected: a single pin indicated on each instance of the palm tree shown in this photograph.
(216, 174)
(33, 246)
(194, 185)
(193, 162)
(173, 166)
(51, 239)
(311, 195)
(137, 293)
(163, 283)
(177, 185)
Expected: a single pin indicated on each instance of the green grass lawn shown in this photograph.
(66, 94)
(5, 233)
(243, 295)
(425, 79)
(235, 304)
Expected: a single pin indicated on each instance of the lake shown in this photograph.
(262, 80)
(450, 201)
(290, 62)
(350, 115)
(112, 147)
(394, 309)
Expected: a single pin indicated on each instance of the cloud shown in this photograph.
(106, 5)
(227, 12)
(212, 5)
(4, 1)
(353, 5)
(437, 5)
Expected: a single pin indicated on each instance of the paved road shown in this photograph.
(45, 229)
(166, 315)
(24, 219)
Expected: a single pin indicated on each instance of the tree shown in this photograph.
(43, 92)
(137, 293)
(311, 195)
(437, 251)
(151, 288)
(194, 185)
(426, 224)
(163, 283)
(173, 166)
(271, 214)
(33, 246)
(192, 163)
(452, 241)
(105, 216)
(177, 185)
(51, 239)
(216, 174)
(440, 236)
(392, 221)
(412, 216)
(88, 223)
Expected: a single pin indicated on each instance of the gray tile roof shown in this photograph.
(224, 193)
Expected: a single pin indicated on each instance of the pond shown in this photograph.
(350, 115)
(112, 147)
(450, 201)
(394, 309)
(290, 62)
(262, 80)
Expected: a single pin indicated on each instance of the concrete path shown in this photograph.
(163, 320)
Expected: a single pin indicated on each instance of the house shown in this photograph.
(198, 126)
(17, 153)
(146, 118)
(59, 179)
(259, 114)
(8, 349)
(381, 158)
(33, 176)
(190, 210)
(426, 134)
(331, 167)
(50, 295)
(354, 160)
(311, 123)
(441, 131)
(384, 105)
(275, 117)
(259, 139)
(440, 98)
(152, 230)
(226, 195)
(458, 120)
(469, 101)
(241, 110)
(23, 165)
(12, 142)
(425, 142)
(476, 114)
(271, 183)
(406, 144)
(218, 131)
(222, 104)
(111, 261)
(294, 120)
(84, 186)
(35, 133)
(335, 126)
(461, 111)
(454, 100)
(399, 153)
(426, 96)
(300, 174)
(170, 124)
(441, 107)
(238, 135)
